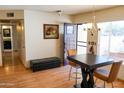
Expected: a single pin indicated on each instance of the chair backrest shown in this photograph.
(71, 52)
(114, 71)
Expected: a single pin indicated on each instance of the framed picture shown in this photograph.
(6, 32)
(51, 31)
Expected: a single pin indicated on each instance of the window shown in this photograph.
(112, 39)
(82, 39)
(117, 37)
(105, 29)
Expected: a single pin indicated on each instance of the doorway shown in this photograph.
(70, 39)
(12, 33)
(75, 37)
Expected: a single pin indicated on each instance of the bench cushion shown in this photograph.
(45, 63)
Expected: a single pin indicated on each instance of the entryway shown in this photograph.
(75, 37)
(12, 42)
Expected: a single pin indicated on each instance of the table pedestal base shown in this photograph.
(79, 86)
(88, 80)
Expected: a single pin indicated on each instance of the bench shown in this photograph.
(45, 63)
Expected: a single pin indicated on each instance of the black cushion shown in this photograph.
(45, 63)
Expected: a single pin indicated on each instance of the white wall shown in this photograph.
(111, 14)
(36, 46)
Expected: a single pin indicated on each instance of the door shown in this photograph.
(82, 39)
(70, 39)
(21, 36)
(23, 44)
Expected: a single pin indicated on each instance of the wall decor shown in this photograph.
(51, 31)
(6, 32)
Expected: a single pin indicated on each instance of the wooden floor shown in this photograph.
(15, 75)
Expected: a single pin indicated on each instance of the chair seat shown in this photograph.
(74, 64)
(102, 74)
(108, 76)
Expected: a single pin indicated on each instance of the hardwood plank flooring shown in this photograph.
(16, 76)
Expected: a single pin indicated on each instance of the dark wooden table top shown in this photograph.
(91, 61)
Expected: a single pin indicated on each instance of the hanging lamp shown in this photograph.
(94, 27)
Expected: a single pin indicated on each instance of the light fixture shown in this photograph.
(93, 39)
(59, 12)
(94, 24)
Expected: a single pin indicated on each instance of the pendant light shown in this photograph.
(93, 34)
(94, 27)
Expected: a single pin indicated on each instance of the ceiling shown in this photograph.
(66, 9)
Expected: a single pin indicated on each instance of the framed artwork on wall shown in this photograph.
(51, 31)
(6, 32)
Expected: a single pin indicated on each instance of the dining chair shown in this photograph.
(72, 52)
(108, 76)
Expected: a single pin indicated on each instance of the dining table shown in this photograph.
(88, 64)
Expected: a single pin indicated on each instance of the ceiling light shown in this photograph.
(94, 24)
(59, 12)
